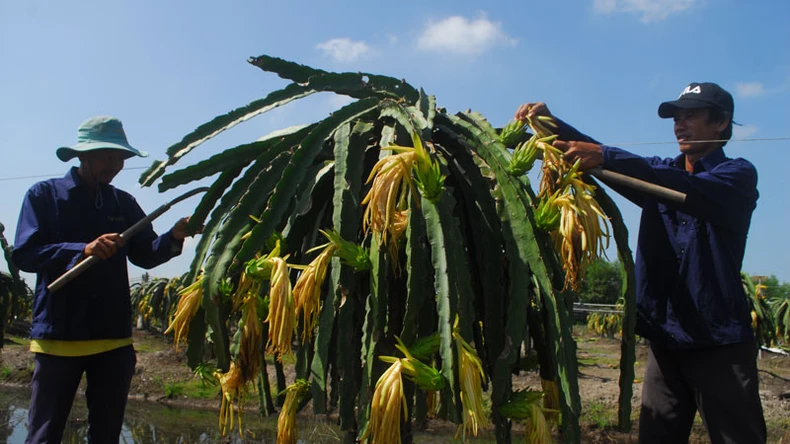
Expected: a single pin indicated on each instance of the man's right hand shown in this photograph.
(532, 109)
(104, 246)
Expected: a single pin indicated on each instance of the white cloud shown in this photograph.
(460, 35)
(743, 131)
(749, 89)
(650, 10)
(344, 49)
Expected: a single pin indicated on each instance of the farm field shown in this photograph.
(164, 390)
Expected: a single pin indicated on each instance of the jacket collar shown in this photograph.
(707, 163)
(72, 179)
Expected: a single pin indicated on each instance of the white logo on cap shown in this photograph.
(689, 90)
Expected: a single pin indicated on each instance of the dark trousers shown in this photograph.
(55, 382)
(721, 382)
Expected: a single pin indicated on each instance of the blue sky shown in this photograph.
(165, 67)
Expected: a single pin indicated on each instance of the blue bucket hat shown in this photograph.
(102, 132)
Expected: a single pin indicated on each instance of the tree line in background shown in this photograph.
(769, 302)
(15, 296)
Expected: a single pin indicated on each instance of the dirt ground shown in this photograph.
(162, 376)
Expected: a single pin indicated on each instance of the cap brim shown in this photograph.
(67, 153)
(668, 109)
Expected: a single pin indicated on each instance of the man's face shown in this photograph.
(101, 166)
(694, 125)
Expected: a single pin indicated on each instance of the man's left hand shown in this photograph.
(179, 230)
(590, 154)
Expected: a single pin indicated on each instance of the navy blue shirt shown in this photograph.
(689, 256)
(58, 218)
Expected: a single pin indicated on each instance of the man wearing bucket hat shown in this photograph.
(85, 327)
(691, 305)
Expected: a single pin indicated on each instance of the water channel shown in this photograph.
(152, 423)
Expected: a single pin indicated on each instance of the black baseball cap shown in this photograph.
(699, 95)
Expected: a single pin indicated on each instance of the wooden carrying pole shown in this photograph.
(638, 184)
(78, 269)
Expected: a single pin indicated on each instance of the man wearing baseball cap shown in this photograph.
(86, 326)
(691, 305)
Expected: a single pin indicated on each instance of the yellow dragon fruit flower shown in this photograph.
(470, 377)
(188, 305)
(387, 407)
(287, 432)
(282, 315)
(307, 291)
(232, 387)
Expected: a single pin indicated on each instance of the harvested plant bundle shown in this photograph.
(582, 235)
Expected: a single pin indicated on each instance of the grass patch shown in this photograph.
(16, 341)
(197, 389)
(778, 430)
(599, 415)
(597, 361)
(149, 343)
(600, 351)
(173, 390)
(193, 389)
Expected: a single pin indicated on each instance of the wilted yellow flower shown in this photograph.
(470, 377)
(538, 430)
(307, 291)
(249, 356)
(287, 432)
(386, 408)
(389, 194)
(394, 180)
(432, 403)
(248, 285)
(351, 254)
(232, 386)
(282, 315)
(525, 404)
(551, 399)
(583, 234)
(423, 376)
(188, 305)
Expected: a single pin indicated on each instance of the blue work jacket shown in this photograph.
(58, 218)
(689, 255)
